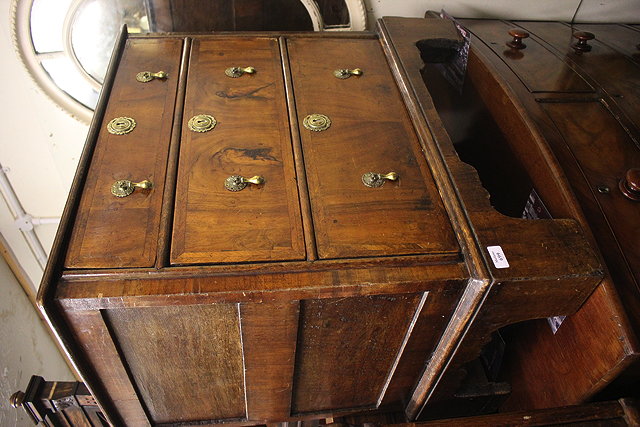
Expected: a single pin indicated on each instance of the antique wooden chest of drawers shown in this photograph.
(269, 228)
(565, 107)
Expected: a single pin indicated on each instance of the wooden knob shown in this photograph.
(630, 184)
(583, 37)
(518, 34)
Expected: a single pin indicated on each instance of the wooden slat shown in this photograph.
(269, 335)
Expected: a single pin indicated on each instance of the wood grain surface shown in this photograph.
(346, 349)
(186, 361)
(123, 232)
(259, 223)
(370, 132)
(539, 69)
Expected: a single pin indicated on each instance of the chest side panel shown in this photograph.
(112, 231)
(251, 138)
(370, 131)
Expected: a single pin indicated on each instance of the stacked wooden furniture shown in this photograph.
(556, 109)
(314, 289)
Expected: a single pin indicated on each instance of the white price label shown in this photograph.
(498, 257)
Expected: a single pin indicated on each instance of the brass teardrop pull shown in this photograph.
(345, 73)
(237, 182)
(235, 72)
(124, 187)
(147, 76)
(374, 180)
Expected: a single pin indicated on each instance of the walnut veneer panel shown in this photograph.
(252, 137)
(186, 361)
(346, 349)
(370, 132)
(538, 68)
(129, 225)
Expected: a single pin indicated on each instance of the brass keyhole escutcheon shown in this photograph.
(235, 72)
(147, 76)
(237, 182)
(374, 180)
(345, 73)
(317, 122)
(124, 187)
(202, 123)
(121, 125)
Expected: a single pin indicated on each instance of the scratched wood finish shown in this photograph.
(346, 349)
(111, 231)
(186, 361)
(261, 222)
(538, 68)
(370, 132)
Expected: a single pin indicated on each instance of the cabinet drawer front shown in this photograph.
(537, 68)
(370, 132)
(112, 231)
(604, 152)
(251, 137)
(616, 73)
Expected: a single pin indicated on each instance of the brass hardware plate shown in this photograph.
(345, 73)
(317, 122)
(124, 187)
(375, 180)
(202, 123)
(121, 125)
(235, 72)
(147, 76)
(237, 182)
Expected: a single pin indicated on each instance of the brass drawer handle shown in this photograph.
(235, 72)
(345, 73)
(147, 76)
(237, 182)
(374, 180)
(124, 187)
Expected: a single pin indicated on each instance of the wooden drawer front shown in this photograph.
(186, 361)
(123, 232)
(622, 38)
(618, 75)
(537, 68)
(370, 132)
(347, 348)
(252, 137)
(604, 152)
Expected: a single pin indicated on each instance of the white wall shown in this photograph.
(26, 348)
